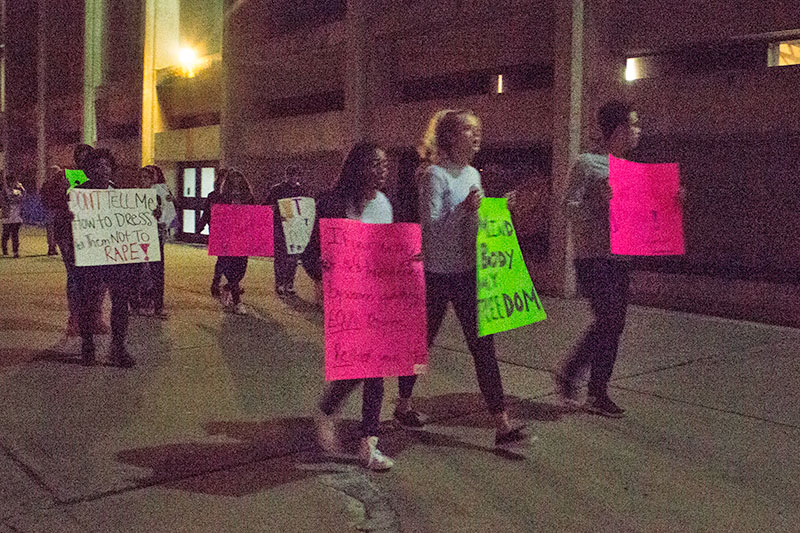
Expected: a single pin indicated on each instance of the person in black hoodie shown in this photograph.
(285, 263)
(100, 167)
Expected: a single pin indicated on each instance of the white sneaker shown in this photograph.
(326, 434)
(239, 309)
(225, 298)
(371, 457)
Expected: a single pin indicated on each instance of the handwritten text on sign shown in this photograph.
(114, 226)
(506, 297)
(645, 211)
(374, 298)
(297, 217)
(240, 231)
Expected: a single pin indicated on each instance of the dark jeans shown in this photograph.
(461, 289)
(285, 269)
(89, 281)
(372, 397)
(605, 282)
(233, 268)
(73, 296)
(137, 297)
(11, 231)
(51, 238)
(217, 272)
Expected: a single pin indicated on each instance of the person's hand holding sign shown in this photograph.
(473, 200)
(512, 200)
(604, 192)
(75, 177)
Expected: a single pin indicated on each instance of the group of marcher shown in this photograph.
(449, 192)
(134, 288)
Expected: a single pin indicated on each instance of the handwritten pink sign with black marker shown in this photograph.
(240, 231)
(645, 211)
(374, 300)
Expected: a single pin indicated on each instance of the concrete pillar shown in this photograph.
(603, 66)
(94, 17)
(41, 94)
(357, 64)
(3, 111)
(588, 72)
(161, 43)
(567, 127)
(229, 8)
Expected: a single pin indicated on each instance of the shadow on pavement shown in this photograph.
(449, 410)
(211, 467)
(17, 356)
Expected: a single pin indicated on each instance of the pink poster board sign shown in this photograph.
(645, 212)
(374, 300)
(240, 230)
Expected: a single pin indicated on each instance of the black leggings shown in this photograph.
(11, 231)
(605, 282)
(285, 269)
(233, 268)
(93, 279)
(461, 289)
(372, 397)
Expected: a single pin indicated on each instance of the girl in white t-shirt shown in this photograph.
(356, 196)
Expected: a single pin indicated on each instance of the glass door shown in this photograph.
(197, 181)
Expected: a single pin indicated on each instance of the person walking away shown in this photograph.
(13, 195)
(602, 277)
(357, 196)
(285, 263)
(235, 189)
(450, 193)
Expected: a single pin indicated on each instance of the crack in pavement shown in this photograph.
(379, 516)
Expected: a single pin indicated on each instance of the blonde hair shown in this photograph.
(442, 128)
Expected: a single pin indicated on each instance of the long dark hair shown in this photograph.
(354, 181)
(233, 180)
(157, 172)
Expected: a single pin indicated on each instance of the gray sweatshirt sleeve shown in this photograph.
(575, 203)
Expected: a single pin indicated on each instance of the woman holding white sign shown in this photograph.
(356, 196)
(92, 279)
(450, 193)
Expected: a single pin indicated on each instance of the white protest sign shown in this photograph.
(114, 226)
(297, 216)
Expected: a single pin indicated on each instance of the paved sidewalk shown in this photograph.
(212, 430)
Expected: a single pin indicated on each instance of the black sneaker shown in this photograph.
(603, 406)
(280, 291)
(409, 419)
(514, 437)
(215, 290)
(566, 390)
(121, 358)
(88, 356)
